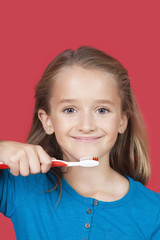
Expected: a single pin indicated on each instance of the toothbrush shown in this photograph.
(84, 162)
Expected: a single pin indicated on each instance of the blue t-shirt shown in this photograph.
(136, 216)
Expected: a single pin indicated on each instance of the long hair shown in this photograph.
(130, 154)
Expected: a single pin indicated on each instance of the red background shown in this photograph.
(34, 32)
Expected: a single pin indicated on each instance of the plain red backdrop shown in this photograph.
(34, 32)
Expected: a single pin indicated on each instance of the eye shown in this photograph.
(103, 110)
(69, 110)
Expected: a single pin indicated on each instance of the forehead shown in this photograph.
(79, 83)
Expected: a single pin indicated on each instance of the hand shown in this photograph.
(24, 158)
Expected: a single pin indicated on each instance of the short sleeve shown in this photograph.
(13, 190)
(156, 231)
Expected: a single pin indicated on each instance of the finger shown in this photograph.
(14, 167)
(24, 167)
(33, 159)
(14, 161)
(45, 159)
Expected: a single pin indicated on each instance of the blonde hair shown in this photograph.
(130, 154)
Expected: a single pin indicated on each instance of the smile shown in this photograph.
(86, 139)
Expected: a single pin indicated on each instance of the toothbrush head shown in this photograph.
(89, 161)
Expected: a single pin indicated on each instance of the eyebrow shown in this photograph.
(71, 100)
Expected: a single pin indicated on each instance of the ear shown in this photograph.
(46, 122)
(123, 123)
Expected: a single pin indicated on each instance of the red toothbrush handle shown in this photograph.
(3, 166)
(58, 164)
(54, 164)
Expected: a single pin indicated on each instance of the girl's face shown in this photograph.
(85, 113)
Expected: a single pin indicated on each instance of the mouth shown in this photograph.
(86, 139)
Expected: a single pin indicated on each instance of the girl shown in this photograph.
(84, 107)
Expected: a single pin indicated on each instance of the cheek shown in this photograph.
(110, 125)
(61, 128)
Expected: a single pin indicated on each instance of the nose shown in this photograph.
(86, 122)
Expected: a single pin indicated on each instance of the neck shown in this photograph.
(91, 180)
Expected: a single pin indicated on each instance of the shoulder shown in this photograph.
(145, 195)
(146, 204)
